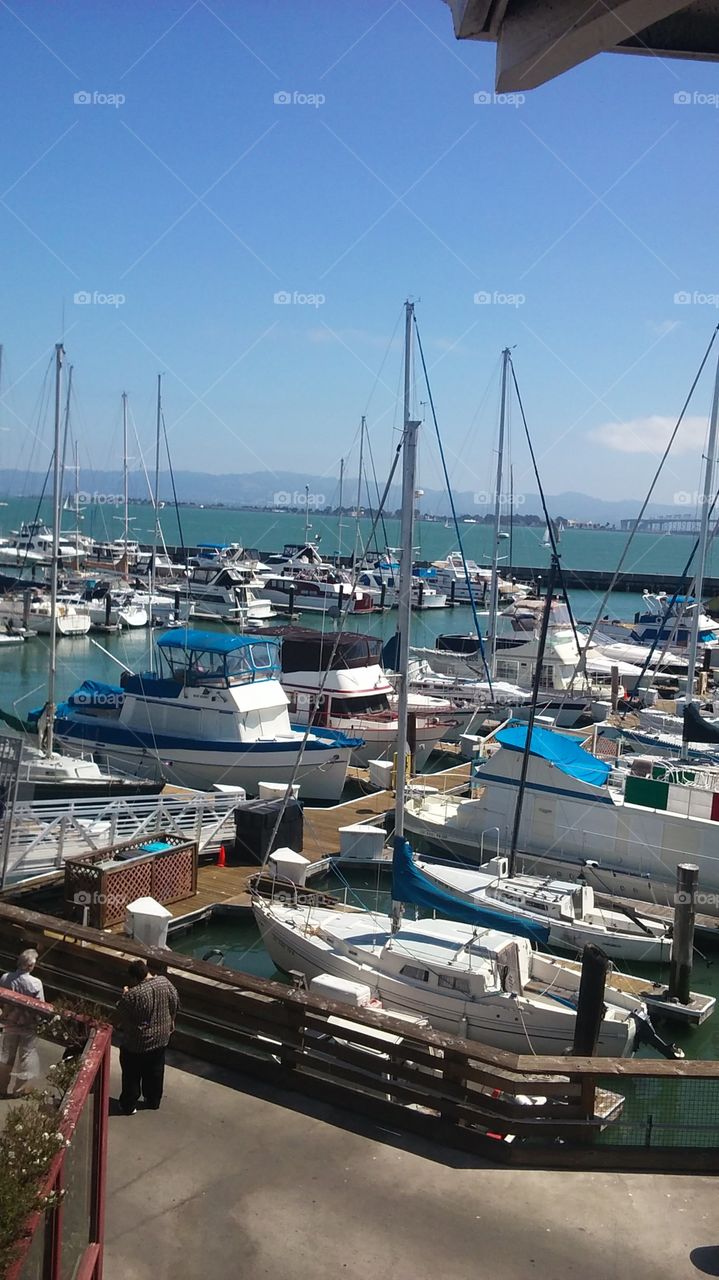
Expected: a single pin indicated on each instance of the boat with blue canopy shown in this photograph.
(212, 711)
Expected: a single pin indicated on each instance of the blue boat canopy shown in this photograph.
(557, 749)
(208, 641)
(411, 885)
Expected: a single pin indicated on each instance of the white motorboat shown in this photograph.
(337, 681)
(214, 713)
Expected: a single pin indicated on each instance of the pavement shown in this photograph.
(231, 1178)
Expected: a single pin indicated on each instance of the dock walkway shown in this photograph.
(228, 885)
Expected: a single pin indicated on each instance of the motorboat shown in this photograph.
(337, 681)
(214, 712)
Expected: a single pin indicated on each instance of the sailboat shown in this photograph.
(468, 975)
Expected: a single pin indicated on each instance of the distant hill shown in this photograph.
(286, 489)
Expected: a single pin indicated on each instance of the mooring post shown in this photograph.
(26, 602)
(614, 674)
(590, 1004)
(452, 591)
(683, 939)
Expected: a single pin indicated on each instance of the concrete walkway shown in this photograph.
(230, 1180)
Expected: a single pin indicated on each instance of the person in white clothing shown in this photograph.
(18, 1055)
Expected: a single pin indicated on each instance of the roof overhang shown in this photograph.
(538, 41)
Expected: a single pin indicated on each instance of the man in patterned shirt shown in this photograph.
(146, 1015)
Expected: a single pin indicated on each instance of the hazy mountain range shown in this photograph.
(287, 489)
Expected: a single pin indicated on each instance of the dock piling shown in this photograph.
(590, 1003)
(683, 941)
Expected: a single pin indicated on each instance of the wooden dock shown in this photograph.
(229, 885)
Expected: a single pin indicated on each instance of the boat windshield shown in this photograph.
(200, 666)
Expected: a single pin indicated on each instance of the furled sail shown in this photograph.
(410, 885)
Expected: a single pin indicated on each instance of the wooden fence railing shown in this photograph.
(561, 1112)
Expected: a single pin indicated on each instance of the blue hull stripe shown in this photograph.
(553, 791)
(110, 735)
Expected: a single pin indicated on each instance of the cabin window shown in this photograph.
(413, 971)
(506, 670)
(454, 984)
(360, 705)
(546, 678)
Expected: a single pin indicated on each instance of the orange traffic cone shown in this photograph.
(221, 857)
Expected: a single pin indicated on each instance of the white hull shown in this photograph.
(516, 1025)
(201, 770)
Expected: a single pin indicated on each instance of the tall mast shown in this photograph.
(339, 526)
(404, 614)
(307, 513)
(125, 492)
(494, 585)
(156, 500)
(359, 485)
(707, 499)
(52, 673)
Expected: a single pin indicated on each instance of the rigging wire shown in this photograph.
(640, 516)
(453, 507)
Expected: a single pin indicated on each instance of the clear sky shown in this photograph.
(199, 198)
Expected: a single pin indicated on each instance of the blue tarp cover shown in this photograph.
(558, 749)
(409, 884)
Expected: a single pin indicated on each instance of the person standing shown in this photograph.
(18, 1055)
(146, 1014)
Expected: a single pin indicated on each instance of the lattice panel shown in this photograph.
(173, 878)
(133, 881)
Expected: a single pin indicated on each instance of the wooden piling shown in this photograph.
(683, 940)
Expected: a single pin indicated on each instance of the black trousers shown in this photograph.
(142, 1074)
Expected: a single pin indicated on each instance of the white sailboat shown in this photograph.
(478, 982)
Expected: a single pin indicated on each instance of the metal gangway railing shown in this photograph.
(45, 832)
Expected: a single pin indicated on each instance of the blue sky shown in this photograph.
(592, 203)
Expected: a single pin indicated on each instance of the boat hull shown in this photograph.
(515, 1026)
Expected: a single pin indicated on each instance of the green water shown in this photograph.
(239, 941)
(269, 530)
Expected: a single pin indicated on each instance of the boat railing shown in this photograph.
(489, 831)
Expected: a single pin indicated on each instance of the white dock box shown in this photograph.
(343, 990)
(362, 842)
(146, 921)
(276, 790)
(288, 865)
(380, 774)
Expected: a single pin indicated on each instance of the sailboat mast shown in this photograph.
(359, 486)
(707, 499)
(339, 526)
(156, 500)
(404, 613)
(125, 491)
(494, 585)
(52, 672)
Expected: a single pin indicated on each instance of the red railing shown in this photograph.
(67, 1237)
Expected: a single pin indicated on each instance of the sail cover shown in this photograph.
(411, 885)
(696, 728)
(558, 750)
